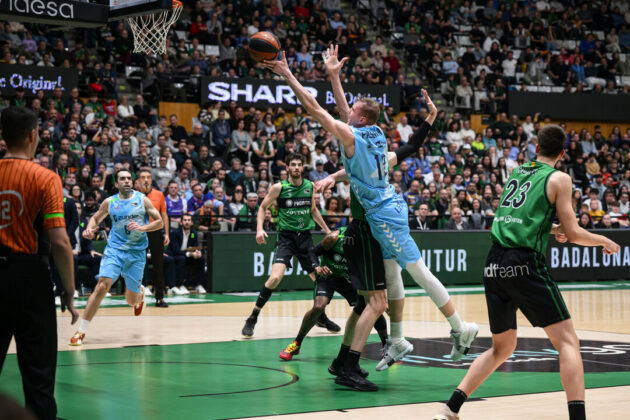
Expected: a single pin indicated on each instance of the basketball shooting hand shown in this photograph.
(280, 67)
(261, 237)
(331, 59)
(67, 301)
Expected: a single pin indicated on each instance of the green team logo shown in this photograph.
(337, 258)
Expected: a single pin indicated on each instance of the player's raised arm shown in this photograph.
(338, 129)
(272, 195)
(417, 138)
(559, 191)
(334, 66)
(96, 219)
(157, 222)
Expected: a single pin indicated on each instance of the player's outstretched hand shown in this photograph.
(324, 184)
(611, 247)
(67, 301)
(88, 233)
(430, 104)
(280, 67)
(261, 237)
(331, 59)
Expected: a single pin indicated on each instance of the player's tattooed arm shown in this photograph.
(96, 219)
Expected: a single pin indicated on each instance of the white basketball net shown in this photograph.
(150, 31)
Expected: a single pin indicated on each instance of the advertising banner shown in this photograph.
(569, 262)
(34, 78)
(454, 257)
(262, 93)
(61, 12)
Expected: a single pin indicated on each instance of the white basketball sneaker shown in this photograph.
(446, 414)
(463, 339)
(393, 352)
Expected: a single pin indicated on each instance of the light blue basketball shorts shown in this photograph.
(129, 264)
(390, 227)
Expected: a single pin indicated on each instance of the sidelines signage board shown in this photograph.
(454, 257)
(569, 262)
(248, 92)
(55, 12)
(34, 78)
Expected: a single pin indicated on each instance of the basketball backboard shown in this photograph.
(77, 13)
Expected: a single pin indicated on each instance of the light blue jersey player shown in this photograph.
(125, 253)
(366, 162)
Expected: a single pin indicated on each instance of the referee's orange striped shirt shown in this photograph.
(31, 201)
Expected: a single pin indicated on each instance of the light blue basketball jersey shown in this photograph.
(368, 168)
(122, 212)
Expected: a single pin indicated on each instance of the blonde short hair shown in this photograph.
(370, 109)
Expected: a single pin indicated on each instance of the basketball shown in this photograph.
(264, 46)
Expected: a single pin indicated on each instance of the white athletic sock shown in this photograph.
(396, 330)
(456, 322)
(83, 325)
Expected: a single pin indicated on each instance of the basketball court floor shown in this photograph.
(190, 362)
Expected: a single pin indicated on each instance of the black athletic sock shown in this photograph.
(381, 328)
(263, 297)
(576, 410)
(457, 400)
(343, 353)
(299, 339)
(352, 361)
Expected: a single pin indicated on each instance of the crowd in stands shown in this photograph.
(221, 170)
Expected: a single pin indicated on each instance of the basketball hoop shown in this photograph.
(150, 31)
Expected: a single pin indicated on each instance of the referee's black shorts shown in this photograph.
(364, 257)
(298, 244)
(518, 278)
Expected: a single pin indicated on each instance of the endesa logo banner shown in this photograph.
(34, 78)
(261, 93)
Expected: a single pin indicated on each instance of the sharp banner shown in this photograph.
(454, 257)
(34, 78)
(248, 92)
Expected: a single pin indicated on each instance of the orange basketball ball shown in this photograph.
(264, 46)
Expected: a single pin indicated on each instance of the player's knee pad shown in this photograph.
(359, 306)
(425, 279)
(393, 277)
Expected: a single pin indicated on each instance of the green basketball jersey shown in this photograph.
(523, 219)
(294, 207)
(334, 258)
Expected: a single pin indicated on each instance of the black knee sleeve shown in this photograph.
(359, 306)
(263, 296)
(380, 324)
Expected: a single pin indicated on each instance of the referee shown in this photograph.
(31, 220)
